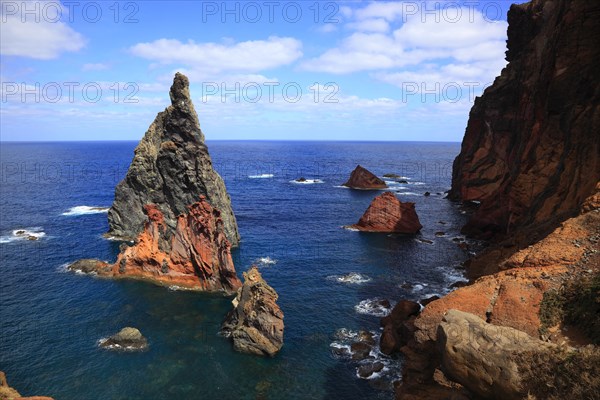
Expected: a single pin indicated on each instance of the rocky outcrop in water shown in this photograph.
(128, 339)
(8, 393)
(531, 151)
(364, 179)
(256, 322)
(171, 168)
(196, 255)
(387, 213)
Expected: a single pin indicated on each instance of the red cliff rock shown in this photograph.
(8, 393)
(531, 151)
(196, 256)
(387, 213)
(364, 179)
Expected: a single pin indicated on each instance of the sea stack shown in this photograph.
(196, 256)
(171, 169)
(364, 179)
(531, 151)
(256, 322)
(388, 214)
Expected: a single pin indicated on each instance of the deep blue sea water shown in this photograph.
(51, 320)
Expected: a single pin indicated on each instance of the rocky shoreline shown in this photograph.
(542, 217)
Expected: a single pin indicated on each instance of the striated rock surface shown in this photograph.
(8, 393)
(531, 151)
(387, 213)
(196, 255)
(256, 322)
(364, 179)
(130, 339)
(481, 356)
(171, 168)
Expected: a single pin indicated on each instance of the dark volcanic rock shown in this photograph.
(128, 338)
(171, 168)
(395, 332)
(387, 213)
(531, 151)
(364, 179)
(196, 256)
(256, 322)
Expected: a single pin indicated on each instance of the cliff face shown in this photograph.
(171, 168)
(531, 151)
(8, 393)
(196, 255)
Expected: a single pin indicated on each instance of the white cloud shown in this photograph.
(470, 47)
(43, 39)
(389, 10)
(370, 25)
(249, 56)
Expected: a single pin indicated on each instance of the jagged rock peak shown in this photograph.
(171, 168)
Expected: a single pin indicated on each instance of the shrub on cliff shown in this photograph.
(559, 375)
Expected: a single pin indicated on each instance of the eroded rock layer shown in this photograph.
(171, 168)
(531, 151)
(197, 255)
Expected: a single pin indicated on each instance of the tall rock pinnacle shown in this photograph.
(171, 168)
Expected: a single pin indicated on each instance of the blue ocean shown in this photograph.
(327, 277)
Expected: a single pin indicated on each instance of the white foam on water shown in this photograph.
(410, 194)
(261, 176)
(349, 228)
(350, 278)
(265, 261)
(32, 234)
(373, 307)
(307, 182)
(84, 210)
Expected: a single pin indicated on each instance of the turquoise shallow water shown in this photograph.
(51, 321)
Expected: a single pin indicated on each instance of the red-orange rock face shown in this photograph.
(387, 213)
(364, 179)
(531, 150)
(196, 256)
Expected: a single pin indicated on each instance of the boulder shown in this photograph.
(171, 168)
(364, 179)
(388, 214)
(395, 333)
(481, 356)
(256, 322)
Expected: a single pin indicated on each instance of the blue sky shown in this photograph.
(264, 70)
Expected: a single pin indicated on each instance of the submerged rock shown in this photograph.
(126, 339)
(364, 179)
(256, 322)
(388, 214)
(196, 256)
(171, 168)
